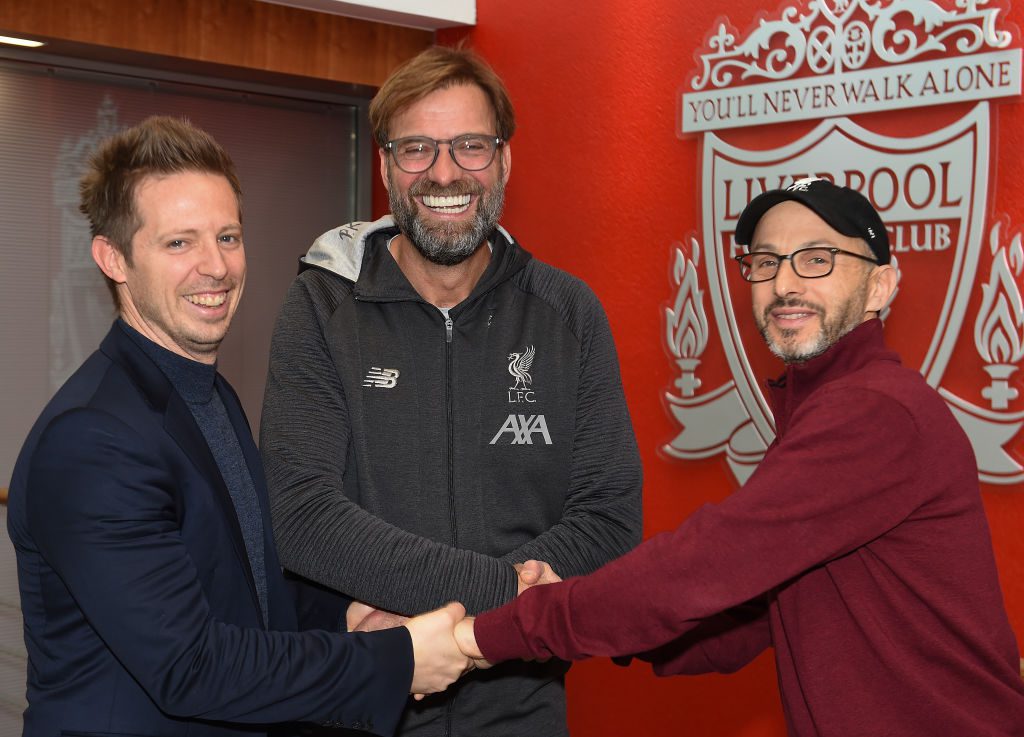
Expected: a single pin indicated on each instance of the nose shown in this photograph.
(445, 170)
(786, 280)
(213, 262)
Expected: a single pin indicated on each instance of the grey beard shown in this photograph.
(797, 355)
(449, 244)
(850, 316)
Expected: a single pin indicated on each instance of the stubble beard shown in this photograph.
(446, 243)
(849, 316)
(197, 338)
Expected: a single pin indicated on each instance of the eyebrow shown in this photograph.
(174, 233)
(817, 243)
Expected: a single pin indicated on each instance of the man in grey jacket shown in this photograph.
(441, 407)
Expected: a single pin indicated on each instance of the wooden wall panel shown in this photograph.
(243, 33)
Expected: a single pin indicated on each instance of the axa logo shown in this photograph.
(381, 378)
(522, 428)
(519, 367)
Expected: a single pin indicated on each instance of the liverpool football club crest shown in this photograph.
(819, 68)
(519, 364)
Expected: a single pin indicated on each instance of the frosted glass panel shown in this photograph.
(297, 161)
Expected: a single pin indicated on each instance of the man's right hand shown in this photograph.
(362, 617)
(355, 614)
(466, 637)
(533, 573)
(439, 661)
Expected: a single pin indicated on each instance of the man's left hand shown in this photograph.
(534, 573)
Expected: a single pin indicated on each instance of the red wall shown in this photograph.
(602, 186)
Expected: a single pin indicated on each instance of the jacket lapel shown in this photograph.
(280, 609)
(181, 426)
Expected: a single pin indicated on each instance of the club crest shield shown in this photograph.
(957, 315)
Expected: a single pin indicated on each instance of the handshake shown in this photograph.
(443, 644)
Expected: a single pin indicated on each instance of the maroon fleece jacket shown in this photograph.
(859, 550)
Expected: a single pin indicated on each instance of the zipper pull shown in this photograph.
(447, 330)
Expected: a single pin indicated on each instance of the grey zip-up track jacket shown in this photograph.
(413, 458)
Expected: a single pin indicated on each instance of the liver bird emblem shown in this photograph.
(519, 366)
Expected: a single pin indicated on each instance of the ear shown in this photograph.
(881, 285)
(109, 259)
(506, 159)
(384, 168)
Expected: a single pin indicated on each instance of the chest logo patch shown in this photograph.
(381, 378)
(519, 368)
(522, 428)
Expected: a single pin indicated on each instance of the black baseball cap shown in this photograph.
(846, 210)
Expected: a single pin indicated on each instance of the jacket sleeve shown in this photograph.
(602, 516)
(723, 643)
(321, 533)
(102, 509)
(779, 525)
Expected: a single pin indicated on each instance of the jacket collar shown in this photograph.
(358, 252)
(861, 346)
(119, 347)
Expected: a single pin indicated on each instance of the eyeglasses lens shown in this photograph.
(415, 155)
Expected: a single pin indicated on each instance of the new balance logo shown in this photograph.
(522, 429)
(381, 378)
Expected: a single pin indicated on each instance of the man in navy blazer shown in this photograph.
(152, 595)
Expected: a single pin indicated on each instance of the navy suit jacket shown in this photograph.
(141, 616)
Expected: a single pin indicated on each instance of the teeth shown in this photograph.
(449, 204)
(207, 300)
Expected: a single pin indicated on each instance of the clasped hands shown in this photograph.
(443, 643)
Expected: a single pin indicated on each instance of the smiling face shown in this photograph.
(802, 318)
(187, 266)
(447, 212)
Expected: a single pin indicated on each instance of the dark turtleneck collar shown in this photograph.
(193, 380)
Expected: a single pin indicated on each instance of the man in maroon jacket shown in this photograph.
(858, 550)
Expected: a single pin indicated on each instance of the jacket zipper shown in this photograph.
(450, 428)
(451, 474)
(449, 709)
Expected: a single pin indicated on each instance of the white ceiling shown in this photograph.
(426, 14)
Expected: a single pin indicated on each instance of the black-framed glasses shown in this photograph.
(471, 151)
(809, 263)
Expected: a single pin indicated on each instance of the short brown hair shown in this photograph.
(439, 68)
(159, 145)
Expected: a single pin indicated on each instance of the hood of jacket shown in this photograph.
(352, 252)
